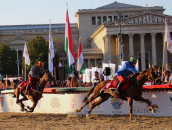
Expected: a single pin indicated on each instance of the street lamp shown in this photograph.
(120, 22)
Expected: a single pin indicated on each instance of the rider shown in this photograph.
(35, 73)
(127, 69)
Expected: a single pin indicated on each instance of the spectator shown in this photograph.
(3, 84)
(101, 78)
(75, 72)
(156, 69)
(96, 80)
(170, 79)
(74, 82)
(68, 82)
(48, 85)
(166, 76)
(160, 72)
(168, 67)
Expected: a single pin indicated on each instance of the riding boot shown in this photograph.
(27, 89)
(120, 84)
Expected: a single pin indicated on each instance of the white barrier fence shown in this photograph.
(67, 103)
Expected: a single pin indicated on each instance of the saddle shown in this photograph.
(114, 83)
(24, 84)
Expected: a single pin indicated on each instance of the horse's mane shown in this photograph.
(137, 74)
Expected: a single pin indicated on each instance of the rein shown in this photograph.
(151, 78)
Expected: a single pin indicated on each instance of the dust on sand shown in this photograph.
(20, 121)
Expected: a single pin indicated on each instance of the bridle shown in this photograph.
(150, 77)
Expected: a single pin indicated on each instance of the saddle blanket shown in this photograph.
(24, 84)
(113, 85)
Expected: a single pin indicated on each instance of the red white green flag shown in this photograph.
(59, 64)
(80, 61)
(69, 45)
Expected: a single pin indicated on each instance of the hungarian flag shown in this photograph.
(59, 64)
(69, 45)
(80, 62)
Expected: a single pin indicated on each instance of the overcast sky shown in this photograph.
(19, 12)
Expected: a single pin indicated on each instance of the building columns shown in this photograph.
(95, 62)
(101, 19)
(96, 21)
(108, 47)
(154, 62)
(131, 48)
(142, 48)
(89, 63)
(166, 54)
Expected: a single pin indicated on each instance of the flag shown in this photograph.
(80, 62)
(51, 51)
(26, 55)
(167, 37)
(69, 45)
(59, 64)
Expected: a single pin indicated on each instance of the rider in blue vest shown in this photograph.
(127, 69)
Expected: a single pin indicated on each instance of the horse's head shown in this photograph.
(151, 76)
(48, 77)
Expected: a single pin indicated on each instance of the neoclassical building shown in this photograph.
(142, 29)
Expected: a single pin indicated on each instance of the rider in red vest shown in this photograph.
(35, 73)
(127, 69)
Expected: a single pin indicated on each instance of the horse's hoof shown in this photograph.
(153, 111)
(28, 107)
(88, 116)
(22, 109)
(77, 110)
(31, 111)
(26, 110)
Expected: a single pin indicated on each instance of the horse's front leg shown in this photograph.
(99, 100)
(130, 103)
(34, 101)
(16, 91)
(152, 107)
(87, 102)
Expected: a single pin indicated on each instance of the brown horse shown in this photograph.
(35, 95)
(133, 91)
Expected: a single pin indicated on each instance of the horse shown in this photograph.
(133, 91)
(34, 95)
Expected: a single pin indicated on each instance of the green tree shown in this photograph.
(8, 59)
(38, 51)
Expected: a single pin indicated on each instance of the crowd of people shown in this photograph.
(167, 73)
(74, 81)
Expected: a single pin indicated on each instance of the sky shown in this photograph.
(21, 12)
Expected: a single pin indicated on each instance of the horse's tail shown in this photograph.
(88, 94)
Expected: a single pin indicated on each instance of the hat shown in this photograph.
(40, 63)
(132, 59)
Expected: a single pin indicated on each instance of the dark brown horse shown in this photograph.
(133, 91)
(35, 95)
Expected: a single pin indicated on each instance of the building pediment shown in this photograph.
(144, 18)
(147, 18)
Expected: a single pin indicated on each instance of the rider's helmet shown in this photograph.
(132, 59)
(40, 63)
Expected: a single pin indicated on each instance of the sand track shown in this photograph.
(20, 121)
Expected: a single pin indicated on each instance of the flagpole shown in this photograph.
(25, 68)
(78, 58)
(163, 57)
